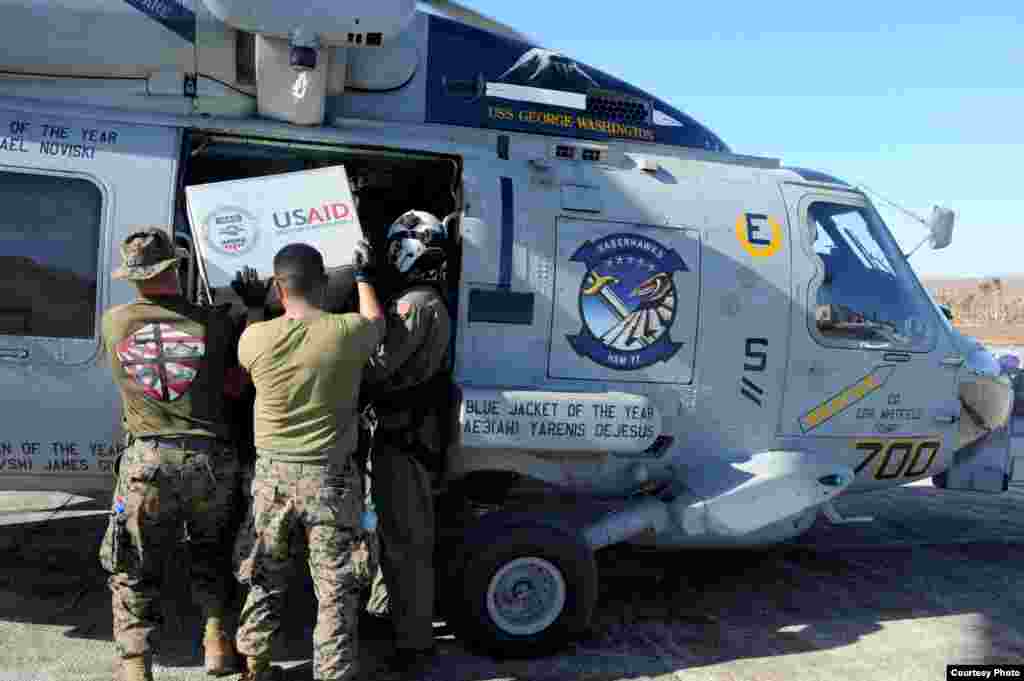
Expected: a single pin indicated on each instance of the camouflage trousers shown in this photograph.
(165, 493)
(320, 506)
(404, 583)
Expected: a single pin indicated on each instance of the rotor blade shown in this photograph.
(460, 12)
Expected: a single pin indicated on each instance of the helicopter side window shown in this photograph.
(867, 293)
(49, 255)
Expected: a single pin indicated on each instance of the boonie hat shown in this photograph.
(145, 254)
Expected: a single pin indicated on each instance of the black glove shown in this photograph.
(249, 288)
(365, 262)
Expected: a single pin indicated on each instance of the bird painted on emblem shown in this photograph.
(653, 290)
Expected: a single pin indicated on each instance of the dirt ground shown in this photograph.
(934, 580)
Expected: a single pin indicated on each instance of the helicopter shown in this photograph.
(698, 348)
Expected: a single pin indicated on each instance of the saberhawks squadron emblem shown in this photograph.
(627, 301)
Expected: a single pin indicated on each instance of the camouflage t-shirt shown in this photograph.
(307, 374)
(169, 358)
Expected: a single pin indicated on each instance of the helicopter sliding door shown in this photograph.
(871, 375)
(505, 280)
(72, 187)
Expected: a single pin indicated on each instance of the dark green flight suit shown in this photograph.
(414, 351)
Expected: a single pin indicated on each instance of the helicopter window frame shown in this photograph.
(906, 283)
(98, 235)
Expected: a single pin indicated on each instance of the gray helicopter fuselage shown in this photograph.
(637, 309)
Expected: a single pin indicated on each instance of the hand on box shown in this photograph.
(364, 261)
(249, 288)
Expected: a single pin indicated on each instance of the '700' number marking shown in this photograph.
(899, 458)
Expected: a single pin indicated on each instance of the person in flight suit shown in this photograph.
(306, 367)
(406, 382)
(171, 362)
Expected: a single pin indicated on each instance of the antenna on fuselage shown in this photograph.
(895, 205)
(937, 215)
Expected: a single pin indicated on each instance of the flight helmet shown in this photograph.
(416, 245)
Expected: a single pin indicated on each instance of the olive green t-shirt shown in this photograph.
(169, 357)
(307, 374)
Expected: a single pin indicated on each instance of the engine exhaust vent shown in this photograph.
(618, 107)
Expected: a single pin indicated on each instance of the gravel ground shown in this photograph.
(934, 580)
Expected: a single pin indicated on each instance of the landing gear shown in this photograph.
(523, 591)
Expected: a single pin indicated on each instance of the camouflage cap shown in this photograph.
(145, 254)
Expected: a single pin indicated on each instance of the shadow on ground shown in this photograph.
(658, 613)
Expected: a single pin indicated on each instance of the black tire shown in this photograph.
(485, 553)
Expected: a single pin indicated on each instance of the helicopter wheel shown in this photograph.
(525, 591)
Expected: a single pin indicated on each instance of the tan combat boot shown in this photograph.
(260, 670)
(220, 655)
(136, 668)
(221, 658)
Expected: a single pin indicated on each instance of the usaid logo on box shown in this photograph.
(244, 223)
(316, 216)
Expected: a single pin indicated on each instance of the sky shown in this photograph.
(922, 103)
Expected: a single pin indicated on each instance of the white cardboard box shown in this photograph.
(246, 222)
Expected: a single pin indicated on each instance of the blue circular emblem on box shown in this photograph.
(627, 301)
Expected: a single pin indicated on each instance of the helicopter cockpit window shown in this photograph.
(867, 295)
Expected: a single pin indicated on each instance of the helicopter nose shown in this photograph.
(986, 398)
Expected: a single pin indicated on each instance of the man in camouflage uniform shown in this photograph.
(406, 383)
(306, 366)
(170, 360)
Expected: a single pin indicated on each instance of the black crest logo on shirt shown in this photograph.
(162, 359)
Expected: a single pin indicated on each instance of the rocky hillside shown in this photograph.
(990, 309)
(37, 300)
(981, 301)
